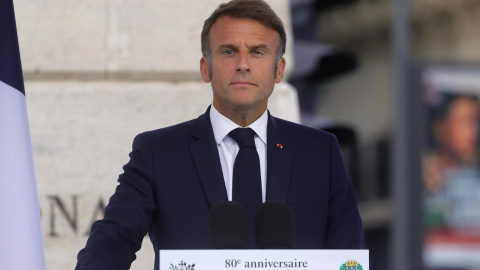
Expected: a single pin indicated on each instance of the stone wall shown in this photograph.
(98, 72)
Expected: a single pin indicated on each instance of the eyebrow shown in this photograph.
(259, 46)
(252, 47)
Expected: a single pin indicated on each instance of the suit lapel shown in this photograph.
(207, 161)
(279, 162)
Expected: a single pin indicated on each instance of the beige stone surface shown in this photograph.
(452, 37)
(56, 35)
(98, 72)
(364, 21)
(154, 39)
(82, 135)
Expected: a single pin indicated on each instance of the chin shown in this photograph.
(247, 106)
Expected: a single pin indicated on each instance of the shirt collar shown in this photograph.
(222, 125)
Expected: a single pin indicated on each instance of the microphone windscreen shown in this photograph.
(227, 226)
(274, 226)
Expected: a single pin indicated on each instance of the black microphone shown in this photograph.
(227, 226)
(274, 226)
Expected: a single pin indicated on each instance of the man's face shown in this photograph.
(242, 64)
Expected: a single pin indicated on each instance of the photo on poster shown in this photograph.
(451, 167)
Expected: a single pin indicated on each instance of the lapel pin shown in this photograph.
(279, 145)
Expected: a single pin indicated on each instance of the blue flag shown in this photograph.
(21, 245)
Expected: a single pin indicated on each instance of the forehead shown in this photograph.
(237, 31)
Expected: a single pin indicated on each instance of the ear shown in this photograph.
(280, 70)
(204, 70)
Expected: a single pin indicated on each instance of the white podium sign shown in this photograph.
(263, 259)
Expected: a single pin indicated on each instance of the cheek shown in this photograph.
(221, 72)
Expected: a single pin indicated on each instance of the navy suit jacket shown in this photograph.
(174, 176)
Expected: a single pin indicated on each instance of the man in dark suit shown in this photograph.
(176, 174)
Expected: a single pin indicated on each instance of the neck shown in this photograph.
(241, 117)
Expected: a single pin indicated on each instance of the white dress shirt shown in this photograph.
(228, 148)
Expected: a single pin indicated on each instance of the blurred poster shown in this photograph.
(451, 167)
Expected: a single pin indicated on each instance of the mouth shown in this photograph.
(242, 83)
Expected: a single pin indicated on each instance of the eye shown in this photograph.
(256, 52)
(228, 52)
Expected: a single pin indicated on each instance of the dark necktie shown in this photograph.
(247, 187)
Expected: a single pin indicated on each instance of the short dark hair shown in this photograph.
(257, 10)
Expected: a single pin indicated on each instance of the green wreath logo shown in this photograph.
(351, 265)
(182, 266)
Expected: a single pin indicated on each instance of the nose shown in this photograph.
(243, 65)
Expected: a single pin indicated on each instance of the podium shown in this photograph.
(228, 259)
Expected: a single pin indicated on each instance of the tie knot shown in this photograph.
(243, 136)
